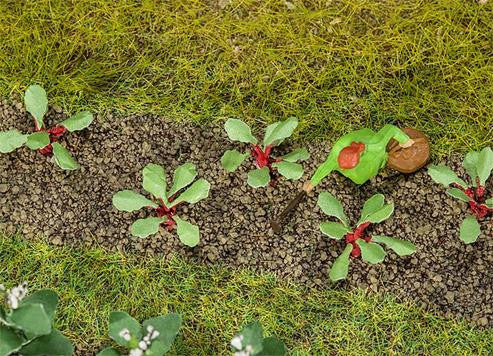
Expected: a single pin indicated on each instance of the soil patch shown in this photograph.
(75, 208)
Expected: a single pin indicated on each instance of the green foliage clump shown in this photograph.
(250, 341)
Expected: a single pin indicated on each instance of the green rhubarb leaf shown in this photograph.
(32, 319)
(340, 267)
(183, 176)
(195, 193)
(332, 207)
(471, 165)
(78, 122)
(11, 140)
(38, 140)
(237, 130)
(458, 194)
(10, 341)
(36, 103)
(400, 247)
(485, 164)
(145, 227)
(251, 334)
(232, 159)
(168, 327)
(489, 203)
(187, 233)
(258, 178)
(371, 252)
(469, 230)
(279, 131)
(127, 200)
(272, 346)
(371, 206)
(122, 321)
(299, 154)
(289, 170)
(444, 175)
(63, 158)
(53, 344)
(154, 181)
(334, 230)
(109, 351)
(380, 215)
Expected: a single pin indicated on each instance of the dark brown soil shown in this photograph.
(75, 208)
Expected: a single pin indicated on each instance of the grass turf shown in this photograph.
(337, 65)
(215, 302)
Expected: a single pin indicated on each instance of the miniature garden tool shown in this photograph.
(361, 154)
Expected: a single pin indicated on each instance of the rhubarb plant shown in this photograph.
(154, 337)
(478, 166)
(43, 139)
(26, 323)
(165, 202)
(251, 342)
(358, 242)
(267, 166)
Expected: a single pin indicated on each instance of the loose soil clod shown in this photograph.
(75, 208)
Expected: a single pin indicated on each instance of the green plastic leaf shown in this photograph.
(258, 177)
(120, 321)
(232, 159)
(183, 176)
(334, 230)
(471, 165)
(279, 131)
(36, 103)
(380, 215)
(332, 207)
(195, 193)
(109, 351)
(489, 203)
(371, 252)
(54, 344)
(371, 206)
(299, 154)
(127, 200)
(10, 342)
(38, 140)
(45, 297)
(11, 140)
(252, 334)
(485, 164)
(289, 170)
(168, 327)
(469, 230)
(272, 346)
(237, 130)
(78, 122)
(63, 158)
(187, 233)
(32, 319)
(145, 227)
(458, 194)
(154, 181)
(340, 266)
(445, 176)
(400, 247)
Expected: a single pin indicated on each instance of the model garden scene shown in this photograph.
(246, 178)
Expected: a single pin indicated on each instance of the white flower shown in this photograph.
(125, 334)
(2, 287)
(15, 295)
(237, 342)
(155, 334)
(143, 345)
(136, 352)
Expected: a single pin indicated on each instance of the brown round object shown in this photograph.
(411, 159)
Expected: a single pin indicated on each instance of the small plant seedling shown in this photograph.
(251, 342)
(44, 140)
(165, 203)
(26, 323)
(478, 166)
(358, 242)
(154, 337)
(266, 165)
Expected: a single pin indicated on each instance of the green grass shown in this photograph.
(215, 302)
(337, 65)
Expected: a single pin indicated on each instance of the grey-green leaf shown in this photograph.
(371, 206)
(380, 215)
(78, 122)
(11, 140)
(400, 247)
(485, 164)
(489, 203)
(272, 346)
(371, 252)
(334, 230)
(154, 181)
(10, 342)
(145, 227)
(63, 157)
(340, 267)
(232, 159)
(299, 154)
(195, 193)
(38, 140)
(127, 200)
(252, 334)
(32, 319)
(237, 130)
(289, 170)
(258, 177)
(444, 175)
(279, 131)
(469, 230)
(332, 207)
(183, 176)
(109, 351)
(471, 165)
(36, 103)
(168, 327)
(187, 233)
(458, 194)
(47, 298)
(53, 344)
(119, 321)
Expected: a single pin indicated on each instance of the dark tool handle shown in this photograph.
(276, 223)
